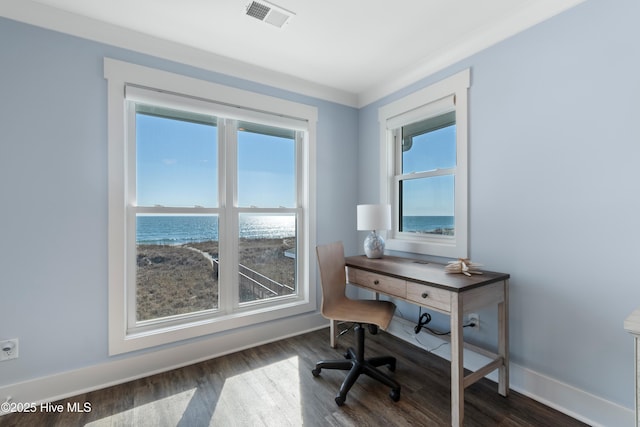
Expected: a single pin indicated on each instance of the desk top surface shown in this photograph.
(428, 273)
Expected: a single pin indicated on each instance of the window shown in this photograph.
(424, 156)
(267, 161)
(175, 239)
(210, 223)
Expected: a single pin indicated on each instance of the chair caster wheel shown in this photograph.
(316, 372)
(340, 400)
(395, 394)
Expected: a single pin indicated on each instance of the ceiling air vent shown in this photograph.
(269, 13)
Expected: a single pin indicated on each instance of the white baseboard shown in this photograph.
(565, 398)
(72, 383)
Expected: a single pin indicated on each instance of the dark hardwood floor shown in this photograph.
(272, 385)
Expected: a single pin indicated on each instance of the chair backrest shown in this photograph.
(332, 274)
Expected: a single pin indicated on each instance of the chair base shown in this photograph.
(356, 364)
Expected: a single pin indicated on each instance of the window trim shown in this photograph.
(119, 75)
(427, 102)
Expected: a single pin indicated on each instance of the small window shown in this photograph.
(427, 176)
(424, 145)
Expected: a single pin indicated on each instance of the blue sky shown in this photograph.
(177, 165)
(267, 171)
(430, 196)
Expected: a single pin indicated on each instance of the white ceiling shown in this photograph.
(349, 51)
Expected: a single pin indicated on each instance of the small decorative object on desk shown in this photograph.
(464, 266)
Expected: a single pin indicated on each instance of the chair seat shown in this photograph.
(372, 312)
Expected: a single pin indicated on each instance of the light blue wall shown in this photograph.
(555, 189)
(53, 187)
(554, 185)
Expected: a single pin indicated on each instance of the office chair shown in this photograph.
(373, 313)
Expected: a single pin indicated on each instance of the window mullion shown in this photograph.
(394, 189)
(130, 213)
(301, 202)
(397, 145)
(131, 271)
(229, 284)
(300, 183)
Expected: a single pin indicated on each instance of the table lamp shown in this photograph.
(374, 217)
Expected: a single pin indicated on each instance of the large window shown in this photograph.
(209, 210)
(424, 156)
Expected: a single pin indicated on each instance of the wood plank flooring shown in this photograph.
(272, 385)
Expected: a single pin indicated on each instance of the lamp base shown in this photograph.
(373, 245)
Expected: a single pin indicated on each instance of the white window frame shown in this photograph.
(446, 95)
(234, 104)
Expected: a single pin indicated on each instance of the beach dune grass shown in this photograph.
(176, 279)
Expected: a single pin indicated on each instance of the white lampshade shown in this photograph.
(374, 217)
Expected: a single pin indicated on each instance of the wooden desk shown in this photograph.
(428, 285)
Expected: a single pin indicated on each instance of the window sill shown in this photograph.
(445, 247)
(166, 334)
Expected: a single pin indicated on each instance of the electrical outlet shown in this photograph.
(8, 349)
(475, 319)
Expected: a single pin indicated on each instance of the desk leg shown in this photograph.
(457, 361)
(503, 342)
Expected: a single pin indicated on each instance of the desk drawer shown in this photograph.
(429, 296)
(378, 282)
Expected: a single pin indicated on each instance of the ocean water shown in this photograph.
(179, 229)
(426, 224)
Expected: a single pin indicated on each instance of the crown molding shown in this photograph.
(40, 15)
(50, 18)
(474, 42)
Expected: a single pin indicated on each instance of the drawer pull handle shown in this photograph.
(425, 295)
(376, 282)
